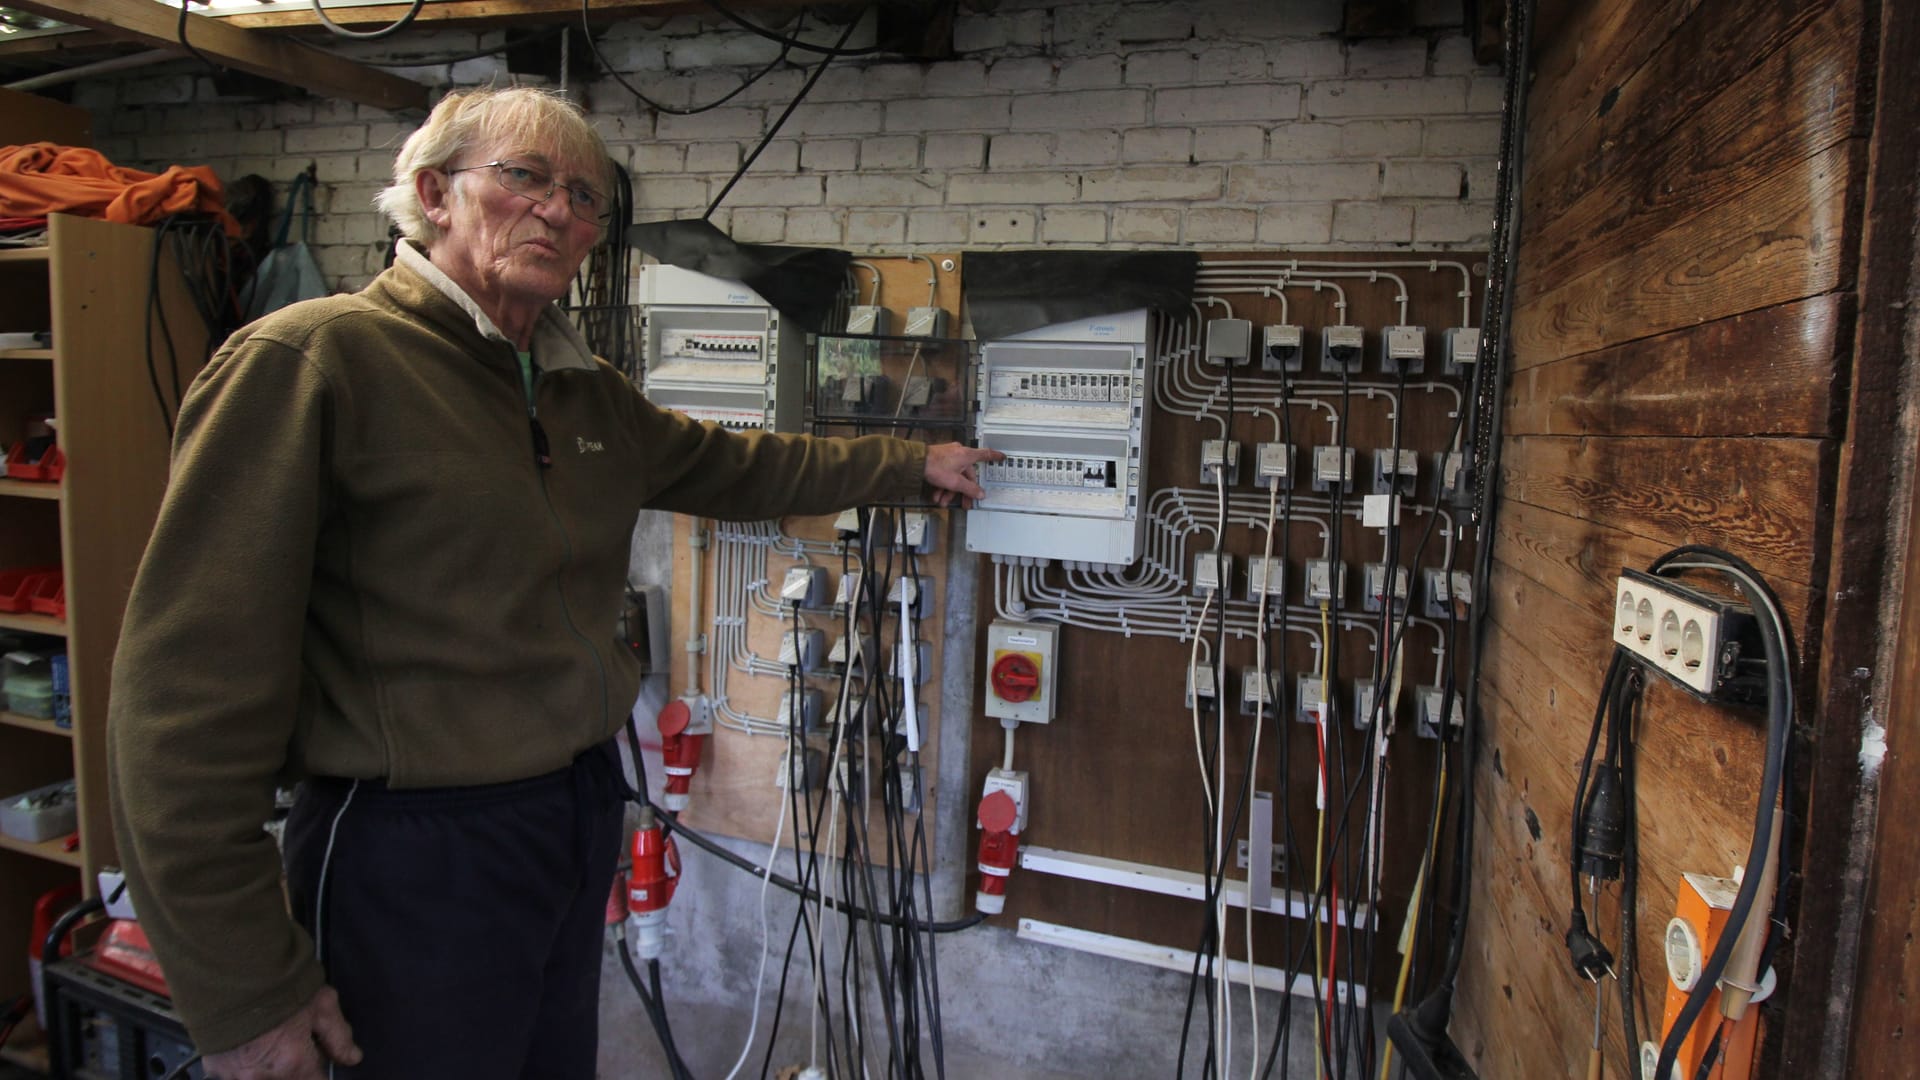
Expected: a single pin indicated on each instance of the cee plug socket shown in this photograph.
(1403, 350)
(1273, 464)
(1282, 347)
(1213, 454)
(1342, 349)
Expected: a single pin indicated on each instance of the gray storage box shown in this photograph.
(49, 812)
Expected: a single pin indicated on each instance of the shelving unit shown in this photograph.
(89, 287)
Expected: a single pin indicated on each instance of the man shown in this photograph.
(389, 563)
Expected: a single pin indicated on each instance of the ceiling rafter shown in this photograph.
(456, 12)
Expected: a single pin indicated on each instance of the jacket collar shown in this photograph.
(556, 344)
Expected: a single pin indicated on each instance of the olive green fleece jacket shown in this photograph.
(359, 570)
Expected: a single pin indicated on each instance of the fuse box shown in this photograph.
(716, 350)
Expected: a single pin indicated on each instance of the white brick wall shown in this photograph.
(1212, 123)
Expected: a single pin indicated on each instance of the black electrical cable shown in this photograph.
(660, 1006)
(655, 1015)
(657, 106)
(837, 49)
(389, 30)
(818, 70)
(180, 31)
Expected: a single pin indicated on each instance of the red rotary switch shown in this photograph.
(1015, 677)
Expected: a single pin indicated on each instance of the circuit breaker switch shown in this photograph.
(1281, 347)
(1021, 671)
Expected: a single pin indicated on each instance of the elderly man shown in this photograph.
(389, 565)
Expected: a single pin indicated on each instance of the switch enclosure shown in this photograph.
(1037, 642)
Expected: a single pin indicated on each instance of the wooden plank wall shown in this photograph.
(1681, 348)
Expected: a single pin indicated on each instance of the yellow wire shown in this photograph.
(1413, 909)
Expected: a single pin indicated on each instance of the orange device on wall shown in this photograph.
(1699, 919)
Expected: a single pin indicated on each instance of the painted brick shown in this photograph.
(1453, 223)
(1031, 150)
(335, 111)
(1087, 147)
(1372, 223)
(890, 152)
(184, 118)
(1387, 58)
(350, 229)
(847, 118)
(352, 198)
(377, 165)
(158, 90)
(813, 227)
(1041, 188)
(1304, 142)
(1234, 143)
(287, 114)
(1169, 22)
(877, 82)
(948, 114)
(1146, 225)
(1060, 225)
(127, 121)
(861, 190)
(1233, 62)
(308, 140)
(675, 192)
(1483, 177)
(330, 168)
(1152, 184)
(1237, 20)
(1161, 67)
(186, 148)
(1001, 226)
(624, 56)
(955, 152)
(829, 155)
(782, 156)
(1379, 138)
(1221, 225)
(955, 78)
(1453, 55)
(1089, 73)
(1445, 13)
(1024, 74)
(1157, 144)
(937, 227)
(875, 228)
(978, 33)
(714, 124)
(777, 191)
(481, 71)
(1306, 60)
(1306, 182)
(1422, 179)
(712, 50)
(384, 136)
(1083, 25)
(713, 157)
(99, 95)
(1217, 104)
(656, 157)
(1387, 97)
(1082, 109)
(1020, 151)
(759, 226)
(1303, 223)
(1463, 138)
(1485, 94)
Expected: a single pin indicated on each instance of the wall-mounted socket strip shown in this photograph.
(1364, 693)
(925, 322)
(922, 662)
(804, 587)
(1258, 691)
(868, 319)
(1310, 696)
(1215, 452)
(1021, 672)
(1326, 582)
(1266, 575)
(1273, 464)
(914, 530)
(1200, 682)
(1212, 572)
(802, 649)
(1427, 723)
(1707, 644)
(1374, 596)
(914, 589)
(1229, 341)
(842, 654)
(1282, 347)
(803, 708)
(1330, 467)
(1396, 472)
(1342, 348)
(1403, 349)
(1461, 349)
(1014, 783)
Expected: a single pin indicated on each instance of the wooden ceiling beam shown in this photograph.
(457, 12)
(65, 42)
(236, 47)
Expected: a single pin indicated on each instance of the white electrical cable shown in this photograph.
(760, 978)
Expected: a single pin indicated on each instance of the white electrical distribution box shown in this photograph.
(1229, 341)
(1067, 404)
(1021, 671)
(911, 531)
(1341, 349)
(715, 350)
(1266, 575)
(1273, 464)
(1212, 572)
(1215, 454)
(1331, 466)
(1403, 350)
(1281, 347)
(847, 594)
(802, 649)
(1462, 349)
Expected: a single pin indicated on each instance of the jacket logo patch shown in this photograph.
(589, 446)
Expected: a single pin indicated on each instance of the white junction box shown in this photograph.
(1021, 671)
(716, 350)
(1067, 404)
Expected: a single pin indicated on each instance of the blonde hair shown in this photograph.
(519, 116)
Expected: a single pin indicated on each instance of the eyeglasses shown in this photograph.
(538, 186)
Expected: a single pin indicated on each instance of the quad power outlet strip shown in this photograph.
(1706, 643)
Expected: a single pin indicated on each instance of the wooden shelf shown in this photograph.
(26, 354)
(34, 624)
(24, 255)
(34, 723)
(50, 850)
(29, 489)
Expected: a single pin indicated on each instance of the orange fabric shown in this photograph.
(42, 178)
